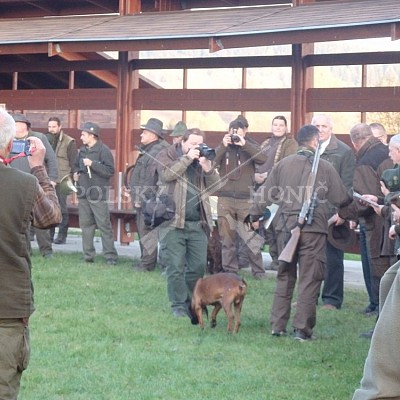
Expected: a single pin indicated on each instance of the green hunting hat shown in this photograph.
(179, 130)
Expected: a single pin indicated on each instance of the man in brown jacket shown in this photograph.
(236, 160)
(286, 186)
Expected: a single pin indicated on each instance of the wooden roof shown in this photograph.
(228, 28)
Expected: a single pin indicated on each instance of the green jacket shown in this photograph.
(174, 180)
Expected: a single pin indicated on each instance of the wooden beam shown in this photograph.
(59, 66)
(384, 57)
(60, 99)
(371, 99)
(213, 62)
(211, 99)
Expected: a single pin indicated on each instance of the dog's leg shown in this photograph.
(199, 313)
(214, 314)
(237, 308)
(227, 304)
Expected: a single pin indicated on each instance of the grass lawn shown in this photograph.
(102, 332)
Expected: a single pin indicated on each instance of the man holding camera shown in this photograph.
(25, 199)
(23, 130)
(188, 177)
(236, 160)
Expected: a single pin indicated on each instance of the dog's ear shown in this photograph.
(192, 316)
(194, 320)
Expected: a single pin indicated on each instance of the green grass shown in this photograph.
(102, 332)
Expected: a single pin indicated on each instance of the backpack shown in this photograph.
(157, 210)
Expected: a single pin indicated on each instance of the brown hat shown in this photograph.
(154, 125)
(179, 130)
(341, 236)
(91, 127)
(22, 118)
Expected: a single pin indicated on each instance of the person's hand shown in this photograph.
(255, 225)
(384, 189)
(126, 193)
(353, 225)
(395, 214)
(335, 220)
(38, 152)
(87, 162)
(226, 140)
(193, 153)
(205, 164)
(241, 142)
(370, 197)
(392, 232)
(260, 178)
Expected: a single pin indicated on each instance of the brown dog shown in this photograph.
(220, 290)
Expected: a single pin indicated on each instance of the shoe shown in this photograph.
(367, 335)
(260, 277)
(48, 255)
(139, 268)
(279, 333)
(273, 266)
(302, 337)
(110, 261)
(89, 260)
(60, 240)
(329, 307)
(179, 312)
(370, 310)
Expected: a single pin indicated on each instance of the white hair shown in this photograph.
(7, 128)
(395, 141)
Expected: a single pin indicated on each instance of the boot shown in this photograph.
(60, 239)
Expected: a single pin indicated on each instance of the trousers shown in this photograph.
(92, 215)
(311, 259)
(14, 356)
(185, 257)
(231, 215)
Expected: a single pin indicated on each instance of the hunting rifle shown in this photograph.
(307, 209)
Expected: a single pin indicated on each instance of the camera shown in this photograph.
(21, 146)
(235, 138)
(206, 151)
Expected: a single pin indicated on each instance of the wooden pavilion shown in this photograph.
(53, 57)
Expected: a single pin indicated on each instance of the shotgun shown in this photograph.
(289, 250)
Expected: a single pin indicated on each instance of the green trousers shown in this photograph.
(185, 257)
(92, 215)
(14, 356)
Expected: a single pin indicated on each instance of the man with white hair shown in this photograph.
(341, 157)
(28, 198)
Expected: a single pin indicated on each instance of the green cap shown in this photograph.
(179, 130)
